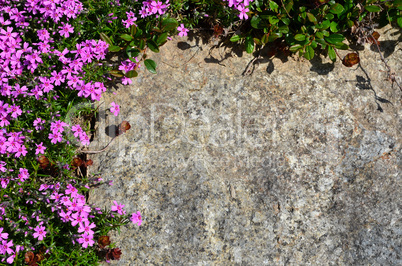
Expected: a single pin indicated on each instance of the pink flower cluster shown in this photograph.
(6, 247)
(79, 133)
(153, 8)
(57, 129)
(241, 6)
(135, 217)
(12, 143)
(72, 208)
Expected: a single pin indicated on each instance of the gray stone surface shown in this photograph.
(291, 165)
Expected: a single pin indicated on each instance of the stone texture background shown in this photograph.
(293, 164)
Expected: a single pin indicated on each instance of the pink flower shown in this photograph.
(40, 148)
(182, 30)
(86, 240)
(86, 227)
(118, 208)
(136, 218)
(66, 29)
(243, 12)
(126, 81)
(3, 235)
(40, 232)
(115, 109)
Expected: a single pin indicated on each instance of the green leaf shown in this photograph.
(314, 44)
(150, 65)
(324, 25)
(153, 46)
(331, 53)
(235, 38)
(300, 37)
(116, 73)
(256, 22)
(141, 44)
(335, 38)
(336, 8)
(264, 38)
(399, 21)
(373, 8)
(329, 16)
(133, 30)
(334, 27)
(311, 18)
(295, 48)
(309, 53)
(132, 59)
(289, 5)
(273, 20)
(162, 38)
(126, 37)
(286, 21)
(131, 74)
(274, 36)
(257, 41)
(283, 29)
(319, 35)
(138, 33)
(274, 6)
(341, 46)
(169, 24)
(249, 44)
(105, 38)
(132, 52)
(114, 48)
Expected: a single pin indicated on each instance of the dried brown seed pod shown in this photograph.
(124, 126)
(113, 254)
(103, 241)
(43, 161)
(77, 162)
(89, 162)
(351, 59)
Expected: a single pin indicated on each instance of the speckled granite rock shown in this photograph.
(291, 165)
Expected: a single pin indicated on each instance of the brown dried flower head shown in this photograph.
(77, 162)
(89, 162)
(351, 59)
(43, 161)
(30, 258)
(113, 254)
(103, 241)
(124, 126)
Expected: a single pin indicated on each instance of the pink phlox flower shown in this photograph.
(182, 30)
(3, 236)
(55, 137)
(22, 150)
(40, 149)
(118, 208)
(66, 216)
(243, 12)
(57, 78)
(157, 7)
(115, 109)
(86, 240)
(58, 126)
(86, 227)
(126, 81)
(15, 111)
(66, 29)
(136, 218)
(23, 175)
(71, 190)
(77, 130)
(40, 232)
(84, 139)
